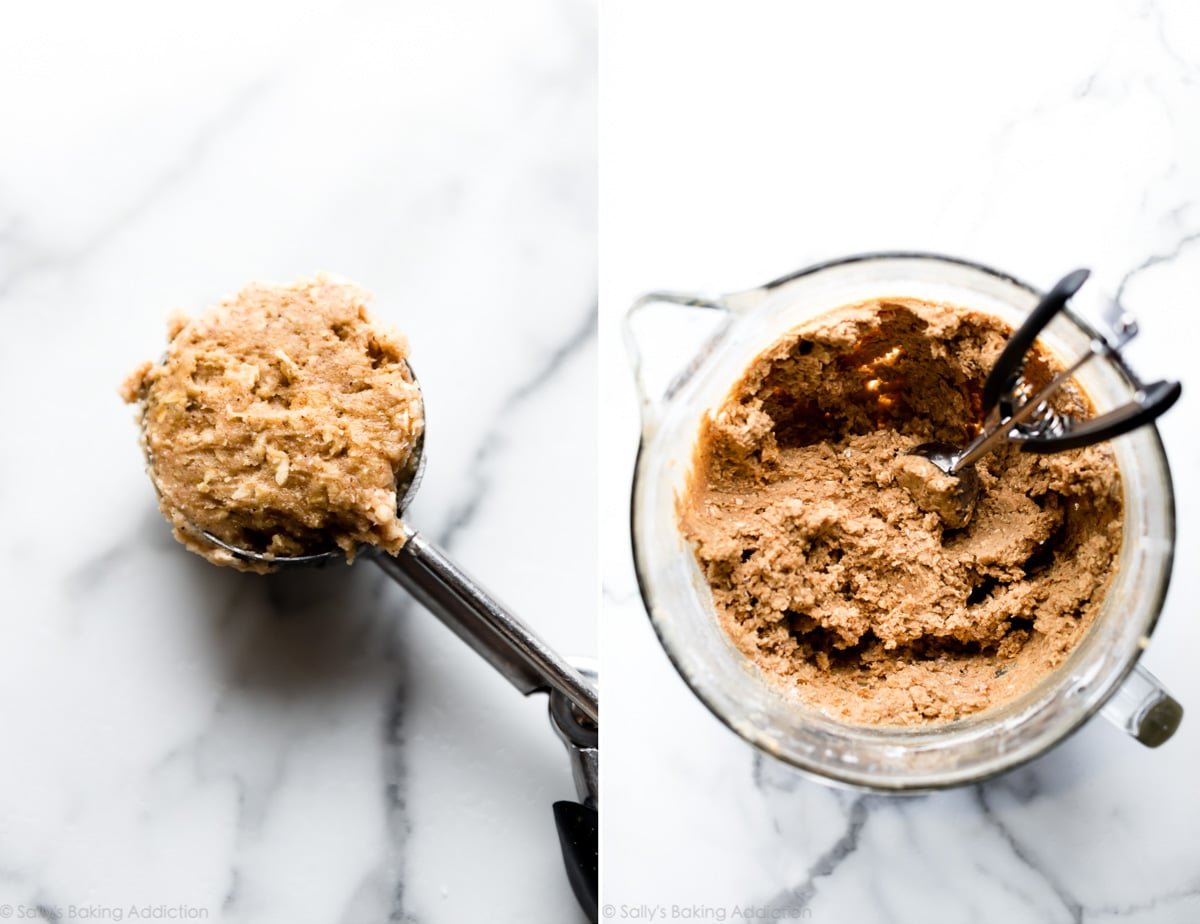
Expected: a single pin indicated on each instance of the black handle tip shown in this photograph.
(579, 837)
(1072, 282)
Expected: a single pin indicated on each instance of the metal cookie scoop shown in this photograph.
(939, 484)
(941, 478)
(504, 641)
(449, 593)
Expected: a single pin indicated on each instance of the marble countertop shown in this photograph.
(737, 146)
(310, 747)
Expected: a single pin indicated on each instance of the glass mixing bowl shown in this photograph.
(719, 337)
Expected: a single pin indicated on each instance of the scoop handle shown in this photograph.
(1012, 358)
(490, 628)
(579, 837)
(1151, 401)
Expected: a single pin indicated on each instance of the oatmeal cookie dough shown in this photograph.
(279, 420)
(826, 573)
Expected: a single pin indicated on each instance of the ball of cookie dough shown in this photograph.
(278, 421)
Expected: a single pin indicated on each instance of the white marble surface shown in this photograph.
(739, 142)
(313, 747)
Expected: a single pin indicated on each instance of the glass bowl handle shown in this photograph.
(669, 334)
(1143, 708)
